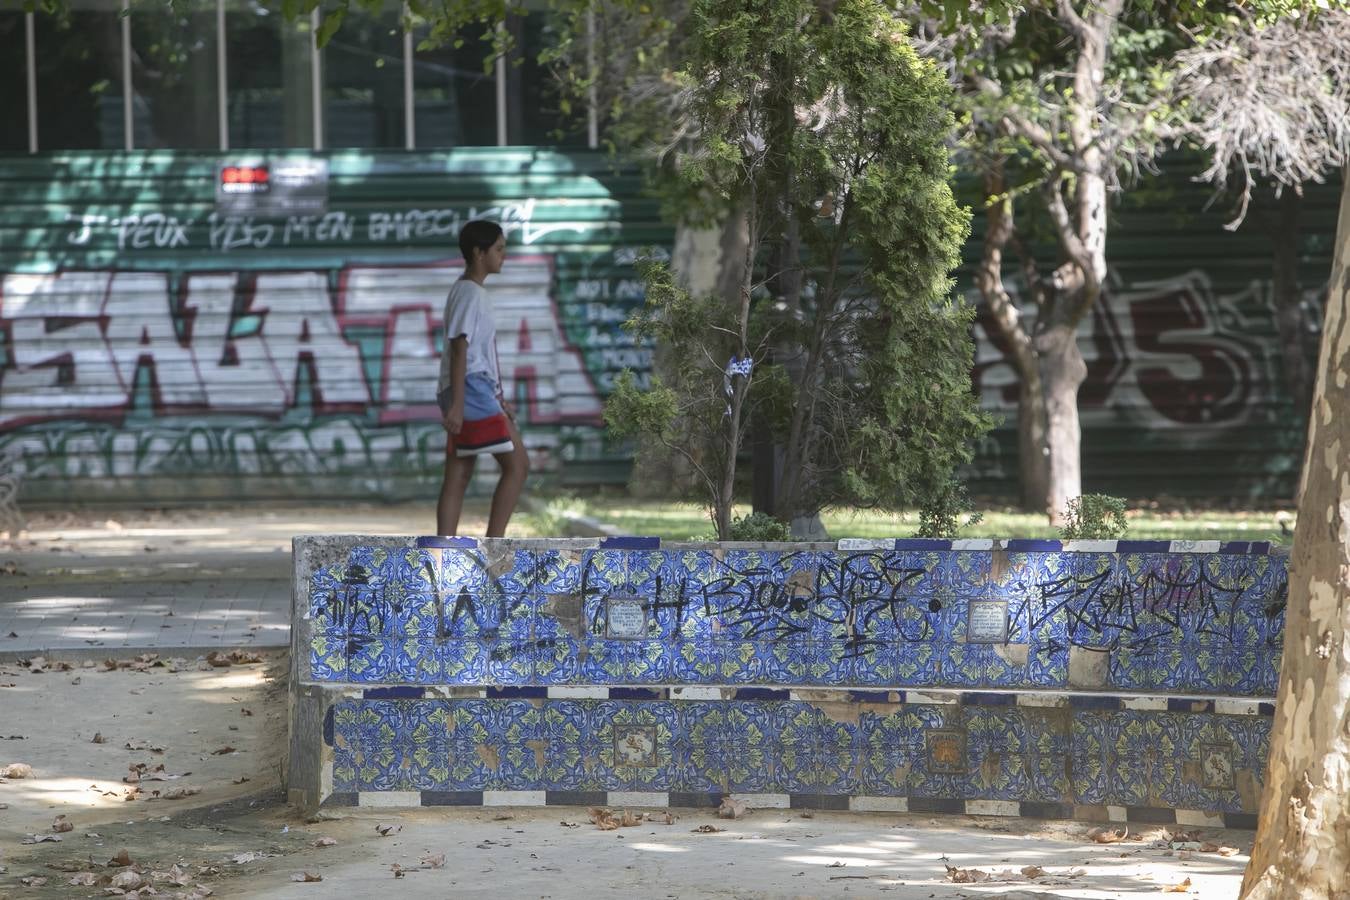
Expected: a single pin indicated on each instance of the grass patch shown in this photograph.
(681, 521)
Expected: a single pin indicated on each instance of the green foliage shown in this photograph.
(941, 514)
(1094, 517)
(759, 528)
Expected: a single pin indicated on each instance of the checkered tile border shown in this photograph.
(1233, 706)
(1012, 545)
(677, 800)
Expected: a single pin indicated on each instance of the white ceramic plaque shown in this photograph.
(988, 622)
(625, 617)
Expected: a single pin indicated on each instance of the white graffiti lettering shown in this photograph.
(258, 345)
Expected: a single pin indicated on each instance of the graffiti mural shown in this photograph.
(262, 373)
(151, 345)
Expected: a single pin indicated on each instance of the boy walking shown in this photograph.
(477, 418)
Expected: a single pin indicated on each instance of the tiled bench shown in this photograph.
(1108, 680)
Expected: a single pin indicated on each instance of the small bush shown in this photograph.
(759, 528)
(940, 516)
(1094, 517)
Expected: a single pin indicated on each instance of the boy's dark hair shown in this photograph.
(478, 235)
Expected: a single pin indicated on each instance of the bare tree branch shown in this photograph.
(1271, 100)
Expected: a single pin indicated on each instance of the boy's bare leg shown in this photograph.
(454, 483)
(515, 466)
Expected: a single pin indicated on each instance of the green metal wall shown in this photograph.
(151, 349)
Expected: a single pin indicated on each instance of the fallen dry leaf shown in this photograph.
(179, 793)
(325, 842)
(61, 825)
(127, 880)
(143, 745)
(41, 839)
(33, 880)
(398, 870)
(387, 829)
(1108, 835)
(1228, 851)
(967, 876)
(84, 879)
(123, 858)
(16, 770)
(240, 780)
(603, 819)
(227, 749)
(69, 865)
(570, 824)
(306, 876)
(1181, 888)
(836, 865)
(98, 738)
(706, 829)
(731, 808)
(245, 657)
(630, 819)
(669, 818)
(243, 710)
(1033, 871)
(434, 862)
(247, 857)
(220, 661)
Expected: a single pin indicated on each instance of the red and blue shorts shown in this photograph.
(485, 428)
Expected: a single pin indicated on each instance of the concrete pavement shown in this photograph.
(180, 580)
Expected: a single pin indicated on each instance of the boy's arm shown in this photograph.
(459, 359)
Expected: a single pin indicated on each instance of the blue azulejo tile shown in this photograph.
(1143, 546)
(762, 595)
(922, 544)
(719, 662)
(487, 616)
(511, 661)
(328, 657)
(412, 660)
(370, 659)
(918, 663)
(861, 663)
(984, 665)
(444, 542)
(624, 662)
(1025, 545)
(792, 661)
(998, 748)
(630, 543)
(702, 768)
(581, 572)
(464, 662)
(423, 768)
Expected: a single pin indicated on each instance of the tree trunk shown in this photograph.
(1303, 837)
(1033, 448)
(1062, 372)
(706, 261)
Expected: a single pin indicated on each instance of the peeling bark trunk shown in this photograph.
(1033, 448)
(1062, 372)
(1303, 838)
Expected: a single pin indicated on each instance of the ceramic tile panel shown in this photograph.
(903, 614)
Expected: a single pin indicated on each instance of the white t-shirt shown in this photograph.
(468, 312)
